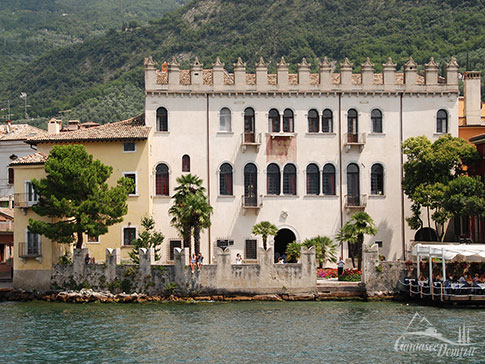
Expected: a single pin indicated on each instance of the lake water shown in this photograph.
(246, 332)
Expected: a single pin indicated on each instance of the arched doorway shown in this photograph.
(281, 241)
(426, 234)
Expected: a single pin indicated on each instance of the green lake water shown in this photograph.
(246, 332)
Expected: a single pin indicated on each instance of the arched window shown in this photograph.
(274, 121)
(312, 180)
(313, 124)
(352, 126)
(289, 180)
(185, 163)
(273, 179)
(328, 177)
(162, 119)
(353, 185)
(161, 180)
(250, 185)
(377, 179)
(225, 119)
(249, 127)
(376, 116)
(442, 121)
(288, 121)
(327, 121)
(225, 179)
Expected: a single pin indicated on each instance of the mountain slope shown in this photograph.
(100, 68)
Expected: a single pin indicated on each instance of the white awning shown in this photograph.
(449, 251)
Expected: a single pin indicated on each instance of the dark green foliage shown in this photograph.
(325, 249)
(69, 77)
(126, 285)
(75, 194)
(433, 179)
(265, 229)
(353, 233)
(149, 238)
(191, 210)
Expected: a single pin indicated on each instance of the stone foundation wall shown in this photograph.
(381, 277)
(221, 278)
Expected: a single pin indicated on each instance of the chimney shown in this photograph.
(8, 127)
(53, 126)
(150, 74)
(196, 72)
(218, 74)
(473, 97)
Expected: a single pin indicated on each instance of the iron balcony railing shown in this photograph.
(355, 201)
(252, 201)
(30, 250)
(357, 139)
(24, 200)
(250, 138)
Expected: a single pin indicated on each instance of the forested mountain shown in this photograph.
(101, 79)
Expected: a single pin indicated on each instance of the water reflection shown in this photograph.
(245, 332)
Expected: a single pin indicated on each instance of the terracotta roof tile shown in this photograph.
(130, 129)
(20, 132)
(36, 158)
(7, 212)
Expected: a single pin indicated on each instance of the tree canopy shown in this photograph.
(191, 210)
(353, 234)
(265, 229)
(434, 179)
(148, 238)
(86, 69)
(75, 193)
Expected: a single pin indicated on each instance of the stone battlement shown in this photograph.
(170, 79)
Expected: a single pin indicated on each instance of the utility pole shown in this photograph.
(23, 95)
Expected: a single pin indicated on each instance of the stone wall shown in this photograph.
(381, 277)
(222, 278)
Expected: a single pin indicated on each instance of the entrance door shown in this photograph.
(353, 189)
(249, 128)
(352, 126)
(250, 185)
(281, 241)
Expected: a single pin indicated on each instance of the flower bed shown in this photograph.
(349, 275)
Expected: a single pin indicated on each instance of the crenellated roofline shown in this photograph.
(171, 79)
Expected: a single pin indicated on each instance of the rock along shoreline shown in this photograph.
(90, 296)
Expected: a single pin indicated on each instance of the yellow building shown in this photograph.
(471, 112)
(122, 145)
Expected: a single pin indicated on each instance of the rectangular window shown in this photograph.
(174, 244)
(129, 234)
(92, 239)
(33, 244)
(31, 195)
(224, 243)
(129, 147)
(132, 176)
(251, 249)
(379, 244)
(10, 176)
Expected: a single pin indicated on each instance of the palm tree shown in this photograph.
(197, 212)
(293, 251)
(325, 249)
(265, 229)
(191, 210)
(353, 233)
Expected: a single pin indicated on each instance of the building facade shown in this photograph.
(12, 146)
(304, 151)
(121, 145)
